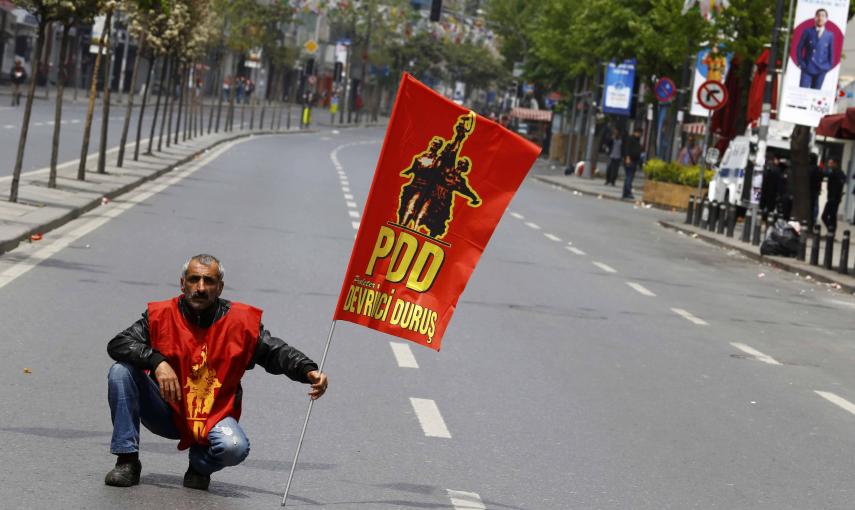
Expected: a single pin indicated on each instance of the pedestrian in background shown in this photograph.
(227, 87)
(834, 187)
(631, 152)
(241, 88)
(614, 158)
(18, 76)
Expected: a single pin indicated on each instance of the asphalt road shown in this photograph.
(590, 364)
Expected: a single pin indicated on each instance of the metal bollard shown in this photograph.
(814, 248)
(758, 225)
(829, 250)
(705, 214)
(803, 234)
(722, 218)
(699, 211)
(731, 220)
(843, 268)
(690, 209)
(746, 227)
(712, 216)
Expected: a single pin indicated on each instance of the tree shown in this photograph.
(103, 40)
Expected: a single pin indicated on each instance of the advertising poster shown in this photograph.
(712, 64)
(617, 93)
(810, 83)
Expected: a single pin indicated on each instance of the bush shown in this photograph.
(675, 173)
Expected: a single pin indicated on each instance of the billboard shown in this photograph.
(617, 92)
(711, 64)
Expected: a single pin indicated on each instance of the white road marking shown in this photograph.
(326, 139)
(9, 126)
(517, 216)
(837, 400)
(348, 196)
(532, 225)
(641, 289)
(352, 205)
(355, 225)
(465, 500)
(605, 267)
(841, 303)
(345, 189)
(552, 238)
(92, 220)
(77, 121)
(577, 251)
(431, 421)
(353, 214)
(403, 355)
(689, 317)
(42, 124)
(759, 356)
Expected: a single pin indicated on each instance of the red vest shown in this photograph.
(209, 363)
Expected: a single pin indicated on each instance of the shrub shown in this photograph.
(675, 173)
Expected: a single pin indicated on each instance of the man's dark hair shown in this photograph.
(821, 10)
(206, 260)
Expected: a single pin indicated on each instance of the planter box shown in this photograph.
(667, 194)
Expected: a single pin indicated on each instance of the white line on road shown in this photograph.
(605, 267)
(355, 225)
(759, 356)
(352, 205)
(552, 238)
(345, 189)
(462, 500)
(641, 289)
(42, 124)
(577, 251)
(348, 196)
(689, 317)
(9, 126)
(403, 355)
(532, 225)
(428, 414)
(517, 216)
(837, 400)
(75, 121)
(353, 214)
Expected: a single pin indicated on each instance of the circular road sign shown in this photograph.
(712, 95)
(665, 89)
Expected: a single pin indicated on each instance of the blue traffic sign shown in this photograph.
(665, 89)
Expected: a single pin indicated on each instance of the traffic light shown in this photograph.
(435, 9)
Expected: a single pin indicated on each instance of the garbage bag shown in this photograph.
(782, 239)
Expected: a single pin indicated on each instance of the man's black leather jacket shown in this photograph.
(133, 345)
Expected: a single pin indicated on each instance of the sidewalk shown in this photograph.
(551, 173)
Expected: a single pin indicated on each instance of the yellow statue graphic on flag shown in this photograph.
(200, 388)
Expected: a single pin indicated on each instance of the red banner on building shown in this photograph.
(443, 181)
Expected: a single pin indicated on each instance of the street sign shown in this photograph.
(712, 95)
(712, 155)
(311, 46)
(665, 89)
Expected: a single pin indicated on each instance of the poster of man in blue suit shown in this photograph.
(815, 52)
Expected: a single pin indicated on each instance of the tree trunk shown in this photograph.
(93, 91)
(167, 104)
(151, 63)
(57, 116)
(230, 120)
(130, 109)
(45, 60)
(164, 69)
(25, 124)
(218, 82)
(105, 109)
(182, 88)
(799, 182)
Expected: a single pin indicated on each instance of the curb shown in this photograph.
(7, 245)
(568, 187)
(777, 262)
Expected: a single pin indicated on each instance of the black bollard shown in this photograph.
(829, 250)
(803, 235)
(746, 227)
(843, 268)
(722, 218)
(699, 211)
(758, 225)
(731, 220)
(690, 209)
(705, 214)
(712, 216)
(814, 247)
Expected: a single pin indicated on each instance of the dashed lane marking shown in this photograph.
(462, 500)
(641, 289)
(353, 214)
(9, 126)
(532, 225)
(605, 267)
(759, 356)
(552, 238)
(345, 189)
(689, 317)
(837, 400)
(350, 204)
(403, 355)
(517, 216)
(348, 196)
(575, 250)
(431, 421)
(355, 225)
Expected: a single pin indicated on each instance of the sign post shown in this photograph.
(711, 95)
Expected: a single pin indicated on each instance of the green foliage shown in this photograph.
(674, 173)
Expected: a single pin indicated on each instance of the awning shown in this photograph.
(840, 125)
(531, 114)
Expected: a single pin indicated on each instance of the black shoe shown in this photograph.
(125, 474)
(195, 480)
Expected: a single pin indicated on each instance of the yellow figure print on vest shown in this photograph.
(199, 393)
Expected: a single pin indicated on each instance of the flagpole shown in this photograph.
(308, 413)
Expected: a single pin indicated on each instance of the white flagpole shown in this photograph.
(306, 423)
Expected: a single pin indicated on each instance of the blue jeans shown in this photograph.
(134, 397)
(629, 170)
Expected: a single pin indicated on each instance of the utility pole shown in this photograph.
(682, 106)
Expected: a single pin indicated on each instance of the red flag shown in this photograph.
(443, 181)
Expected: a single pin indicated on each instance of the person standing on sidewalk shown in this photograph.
(836, 182)
(18, 76)
(614, 158)
(178, 371)
(631, 152)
